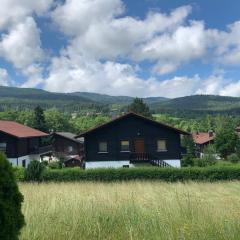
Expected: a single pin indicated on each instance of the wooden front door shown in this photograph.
(139, 146)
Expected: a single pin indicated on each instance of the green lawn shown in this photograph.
(131, 210)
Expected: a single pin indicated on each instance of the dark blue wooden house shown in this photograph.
(130, 140)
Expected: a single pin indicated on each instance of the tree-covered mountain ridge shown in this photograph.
(29, 98)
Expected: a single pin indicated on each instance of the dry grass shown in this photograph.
(131, 210)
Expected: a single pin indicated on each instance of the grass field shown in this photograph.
(132, 210)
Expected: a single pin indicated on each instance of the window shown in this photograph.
(70, 148)
(3, 147)
(125, 146)
(161, 145)
(102, 147)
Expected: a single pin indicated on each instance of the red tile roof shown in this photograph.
(202, 137)
(19, 130)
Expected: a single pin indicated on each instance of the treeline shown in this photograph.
(54, 120)
(78, 122)
(201, 124)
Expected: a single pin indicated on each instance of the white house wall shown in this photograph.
(106, 164)
(118, 164)
(17, 162)
(174, 163)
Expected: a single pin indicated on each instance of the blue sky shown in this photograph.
(122, 47)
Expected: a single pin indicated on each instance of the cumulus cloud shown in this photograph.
(22, 45)
(72, 72)
(15, 11)
(106, 48)
(4, 77)
(107, 34)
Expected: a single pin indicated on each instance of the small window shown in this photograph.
(125, 146)
(3, 147)
(102, 147)
(161, 145)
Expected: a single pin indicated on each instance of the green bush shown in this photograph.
(34, 171)
(55, 165)
(19, 173)
(11, 217)
(151, 173)
(233, 158)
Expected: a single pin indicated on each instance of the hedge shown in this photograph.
(144, 173)
(163, 174)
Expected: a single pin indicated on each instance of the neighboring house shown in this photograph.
(201, 140)
(66, 144)
(21, 144)
(132, 139)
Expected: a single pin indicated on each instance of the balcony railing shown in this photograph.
(147, 158)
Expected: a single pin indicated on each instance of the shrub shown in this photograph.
(19, 173)
(233, 158)
(55, 165)
(151, 173)
(34, 171)
(11, 217)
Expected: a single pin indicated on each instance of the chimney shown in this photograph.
(210, 133)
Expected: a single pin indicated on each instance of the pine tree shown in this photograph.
(39, 119)
(139, 107)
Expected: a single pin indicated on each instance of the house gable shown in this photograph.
(131, 127)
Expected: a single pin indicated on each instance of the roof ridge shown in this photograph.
(134, 114)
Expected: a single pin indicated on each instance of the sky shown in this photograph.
(168, 48)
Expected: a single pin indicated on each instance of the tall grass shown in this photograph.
(132, 210)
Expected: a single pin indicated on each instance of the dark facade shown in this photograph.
(18, 147)
(66, 144)
(142, 134)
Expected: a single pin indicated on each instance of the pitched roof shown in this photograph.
(202, 137)
(70, 136)
(135, 115)
(19, 130)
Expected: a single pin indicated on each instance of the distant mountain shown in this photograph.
(189, 106)
(119, 100)
(199, 104)
(29, 98)
(103, 98)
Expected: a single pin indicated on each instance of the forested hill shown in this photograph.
(119, 100)
(197, 105)
(29, 98)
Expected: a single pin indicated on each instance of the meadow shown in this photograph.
(131, 210)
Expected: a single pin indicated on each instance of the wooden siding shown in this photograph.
(62, 144)
(131, 128)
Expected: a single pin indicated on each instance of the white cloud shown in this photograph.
(22, 45)
(100, 34)
(14, 11)
(71, 72)
(4, 77)
(99, 31)
(175, 48)
(226, 44)
(232, 89)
